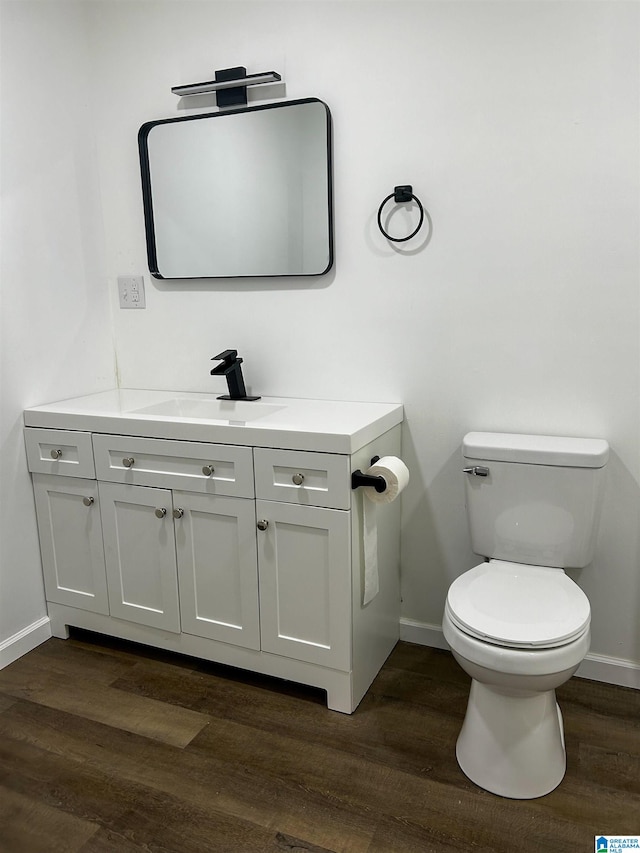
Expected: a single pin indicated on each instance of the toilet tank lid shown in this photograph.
(536, 449)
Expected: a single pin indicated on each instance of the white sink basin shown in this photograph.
(236, 411)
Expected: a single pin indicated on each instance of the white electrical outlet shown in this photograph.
(131, 291)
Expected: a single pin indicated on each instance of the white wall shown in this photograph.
(56, 328)
(517, 124)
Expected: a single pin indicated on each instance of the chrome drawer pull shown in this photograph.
(161, 512)
(477, 471)
(56, 454)
(128, 462)
(208, 470)
(298, 479)
(88, 501)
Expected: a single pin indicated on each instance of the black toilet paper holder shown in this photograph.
(359, 479)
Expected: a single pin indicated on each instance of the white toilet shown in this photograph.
(517, 624)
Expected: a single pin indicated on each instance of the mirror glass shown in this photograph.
(239, 193)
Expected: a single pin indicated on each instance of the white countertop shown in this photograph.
(286, 422)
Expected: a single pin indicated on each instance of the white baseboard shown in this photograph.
(422, 634)
(24, 641)
(625, 673)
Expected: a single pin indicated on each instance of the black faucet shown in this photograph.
(230, 367)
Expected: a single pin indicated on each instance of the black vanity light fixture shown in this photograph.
(230, 85)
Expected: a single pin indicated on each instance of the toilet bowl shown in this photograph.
(516, 623)
(512, 739)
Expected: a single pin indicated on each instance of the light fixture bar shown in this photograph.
(215, 85)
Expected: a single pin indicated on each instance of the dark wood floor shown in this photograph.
(108, 747)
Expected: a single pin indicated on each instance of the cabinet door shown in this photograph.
(140, 555)
(217, 567)
(68, 513)
(304, 565)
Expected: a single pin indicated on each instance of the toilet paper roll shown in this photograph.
(396, 476)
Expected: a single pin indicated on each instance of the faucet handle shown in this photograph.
(229, 361)
(227, 355)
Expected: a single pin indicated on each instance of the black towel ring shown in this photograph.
(399, 195)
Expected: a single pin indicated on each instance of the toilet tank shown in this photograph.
(539, 500)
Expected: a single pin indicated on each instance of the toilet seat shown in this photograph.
(518, 606)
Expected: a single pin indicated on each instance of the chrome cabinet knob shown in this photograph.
(88, 500)
(298, 479)
(263, 524)
(128, 461)
(208, 470)
(178, 513)
(56, 454)
(161, 512)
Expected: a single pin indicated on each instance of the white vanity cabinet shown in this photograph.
(201, 542)
(238, 550)
(304, 555)
(68, 511)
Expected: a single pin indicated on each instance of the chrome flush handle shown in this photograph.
(477, 471)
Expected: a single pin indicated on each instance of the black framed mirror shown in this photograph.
(239, 193)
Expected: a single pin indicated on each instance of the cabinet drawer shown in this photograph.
(175, 465)
(312, 479)
(59, 451)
